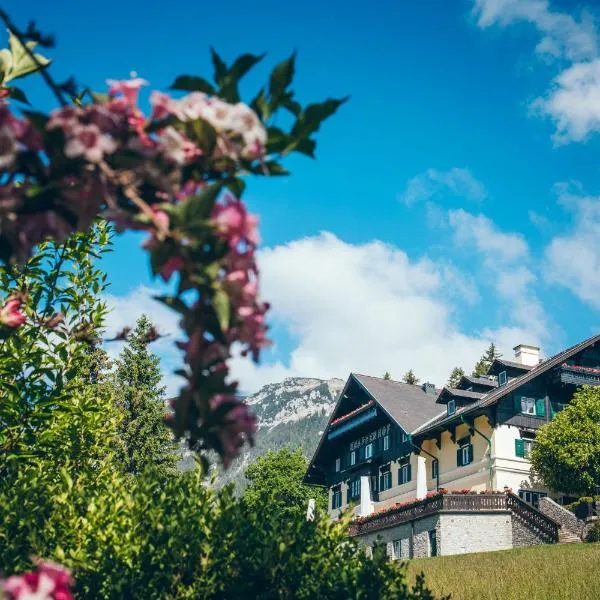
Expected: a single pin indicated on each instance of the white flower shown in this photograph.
(89, 141)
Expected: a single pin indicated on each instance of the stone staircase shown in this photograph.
(568, 537)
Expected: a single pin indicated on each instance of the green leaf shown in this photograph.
(177, 304)
(236, 186)
(18, 94)
(306, 146)
(281, 78)
(291, 105)
(199, 207)
(37, 119)
(243, 64)
(221, 305)
(220, 67)
(312, 117)
(191, 83)
(6, 63)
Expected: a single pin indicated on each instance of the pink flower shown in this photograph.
(67, 118)
(128, 88)
(8, 147)
(90, 142)
(173, 264)
(237, 428)
(11, 314)
(235, 223)
(49, 582)
(162, 105)
(177, 147)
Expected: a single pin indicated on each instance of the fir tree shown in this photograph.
(145, 442)
(387, 376)
(410, 377)
(484, 363)
(455, 377)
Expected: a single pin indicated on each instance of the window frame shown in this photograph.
(502, 378)
(397, 549)
(369, 448)
(435, 468)
(403, 474)
(386, 442)
(355, 488)
(451, 407)
(530, 403)
(353, 458)
(338, 464)
(386, 481)
(465, 452)
(336, 498)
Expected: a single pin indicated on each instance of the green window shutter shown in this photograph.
(517, 403)
(470, 453)
(459, 458)
(540, 407)
(553, 409)
(520, 448)
(409, 474)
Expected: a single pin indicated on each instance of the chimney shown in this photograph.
(527, 355)
(429, 388)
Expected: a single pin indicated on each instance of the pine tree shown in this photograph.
(484, 363)
(455, 377)
(144, 439)
(387, 376)
(410, 377)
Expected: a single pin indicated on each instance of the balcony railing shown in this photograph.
(546, 527)
(576, 375)
(337, 428)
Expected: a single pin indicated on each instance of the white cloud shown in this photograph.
(573, 258)
(433, 183)
(124, 312)
(479, 231)
(573, 103)
(562, 36)
(573, 100)
(366, 308)
(505, 259)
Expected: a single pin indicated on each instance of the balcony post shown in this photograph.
(366, 504)
(421, 477)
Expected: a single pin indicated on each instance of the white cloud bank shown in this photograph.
(369, 309)
(573, 100)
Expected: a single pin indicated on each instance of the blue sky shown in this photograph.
(454, 199)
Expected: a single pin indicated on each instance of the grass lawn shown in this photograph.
(558, 572)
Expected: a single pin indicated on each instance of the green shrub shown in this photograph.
(594, 533)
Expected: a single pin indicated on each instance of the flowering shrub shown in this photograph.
(175, 172)
(48, 582)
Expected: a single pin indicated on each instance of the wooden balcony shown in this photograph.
(457, 503)
(575, 375)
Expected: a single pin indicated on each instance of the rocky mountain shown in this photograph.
(293, 413)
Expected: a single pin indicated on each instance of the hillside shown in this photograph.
(293, 412)
(557, 572)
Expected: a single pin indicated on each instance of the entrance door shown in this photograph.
(432, 543)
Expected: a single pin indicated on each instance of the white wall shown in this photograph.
(464, 533)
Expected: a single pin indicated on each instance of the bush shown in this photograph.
(594, 533)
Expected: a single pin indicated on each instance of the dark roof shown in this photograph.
(407, 404)
(496, 395)
(512, 364)
(462, 393)
(480, 381)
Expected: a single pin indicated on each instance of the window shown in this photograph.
(398, 552)
(386, 442)
(432, 543)
(336, 497)
(524, 446)
(434, 468)
(338, 465)
(352, 458)
(451, 407)
(404, 473)
(528, 406)
(369, 450)
(354, 490)
(405, 437)
(464, 455)
(502, 378)
(531, 497)
(385, 481)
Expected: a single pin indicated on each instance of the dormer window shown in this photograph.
(451, 407)
(502, 378)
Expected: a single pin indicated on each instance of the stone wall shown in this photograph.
(523, 535)
(462, 533)
(420, 544)
(565, 518)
